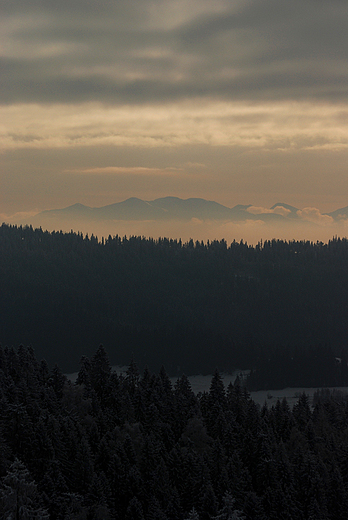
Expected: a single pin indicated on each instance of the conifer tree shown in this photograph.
(57, 380)
(134, 510)
(132, 377)
(84, 375)
(217, 390)
(193, 515)
(100, 371)
(19, 497)
(228, 510)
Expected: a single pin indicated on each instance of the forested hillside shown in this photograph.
(280, 307)
(134, 447)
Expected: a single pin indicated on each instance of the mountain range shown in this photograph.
(174, 208)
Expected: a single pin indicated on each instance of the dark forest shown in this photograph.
(278, 308)
(134, 447)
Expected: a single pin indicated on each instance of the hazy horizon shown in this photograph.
(311, 225)
(238, 102)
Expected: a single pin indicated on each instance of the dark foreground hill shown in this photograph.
(280, 307)
(134, 447)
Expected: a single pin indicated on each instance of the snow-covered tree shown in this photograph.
(19, 497)
(228, 510)
(193, 515)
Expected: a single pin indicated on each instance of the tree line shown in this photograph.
(190, 306)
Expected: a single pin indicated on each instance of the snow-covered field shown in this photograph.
(201, 383)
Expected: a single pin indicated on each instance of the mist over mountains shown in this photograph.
(194, 218)
(175, 208)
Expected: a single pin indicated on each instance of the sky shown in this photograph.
(239, 101)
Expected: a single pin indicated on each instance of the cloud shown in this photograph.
(249, 98)
(279, 127)
(125, 170)
(314, 215)
(257, 210)
(19, 217)
(154, 52)
(308, 214)
(278, 210)
(194, 165)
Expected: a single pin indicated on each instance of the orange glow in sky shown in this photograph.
(241, 102)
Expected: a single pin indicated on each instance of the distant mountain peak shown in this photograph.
(339, 214)
(76, 209)
(175, 208)
(286, 206)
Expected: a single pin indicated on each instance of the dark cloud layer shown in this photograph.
(154, 51)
